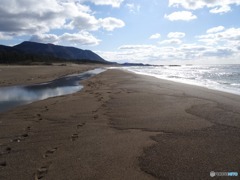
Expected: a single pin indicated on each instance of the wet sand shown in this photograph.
(123, 126)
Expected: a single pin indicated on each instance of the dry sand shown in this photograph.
(123, 126)
(17, 75)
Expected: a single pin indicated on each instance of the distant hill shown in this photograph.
(33, 51)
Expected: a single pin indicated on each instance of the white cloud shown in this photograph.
(81, 38)
(169, 54)
(110, 23)
(138, 47)
(219, 52)
(25, 17)
(187, 4)
(215, 5)
(224, 44)
(181, 15)
(215, 29)
(133, 8)
(224, 48)
(4, 36)
(45, 38)
(155, 36)
(143, 54)
(220, 10)
(113, 3)
(132, 53)
(219, 45)
(171, 42)
(176, 35)
(84, 21)
(208, 41)
(193, 47)
(229, 35)
(28, 17)
(90, 23)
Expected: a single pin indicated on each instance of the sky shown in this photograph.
(136, 31)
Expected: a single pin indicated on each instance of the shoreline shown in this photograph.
(32, 78)
(123, 125)
(187, 82)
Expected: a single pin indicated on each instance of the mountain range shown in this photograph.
(32, 51)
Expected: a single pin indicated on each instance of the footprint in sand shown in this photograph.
(74, 137)
(39, 117)
(41, 172)
(100, 99)
(80, 125)
(20, 138)
(104, 105)
(50, 152)
(24, 135)
(94, 111)
(97, 94)
(3, 163)
(46, 108)
(28, 128)
(7, 150)
(95, 116)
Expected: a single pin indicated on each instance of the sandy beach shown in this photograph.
(18, 75)
(119, 126)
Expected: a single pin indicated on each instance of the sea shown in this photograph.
(224, 78)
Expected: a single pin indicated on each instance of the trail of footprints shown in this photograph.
(8, 149)
(39, 116)
(74, 136)
(98, 96)
(43, 170)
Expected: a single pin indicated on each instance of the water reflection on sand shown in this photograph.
(18, 95)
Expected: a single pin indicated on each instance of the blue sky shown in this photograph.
(147, 31)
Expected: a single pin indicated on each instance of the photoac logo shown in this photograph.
(213, 174)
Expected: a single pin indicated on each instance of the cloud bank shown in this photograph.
(215, 6)
(218, 45)
(38, 18)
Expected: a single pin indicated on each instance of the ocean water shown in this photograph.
(219, 77)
